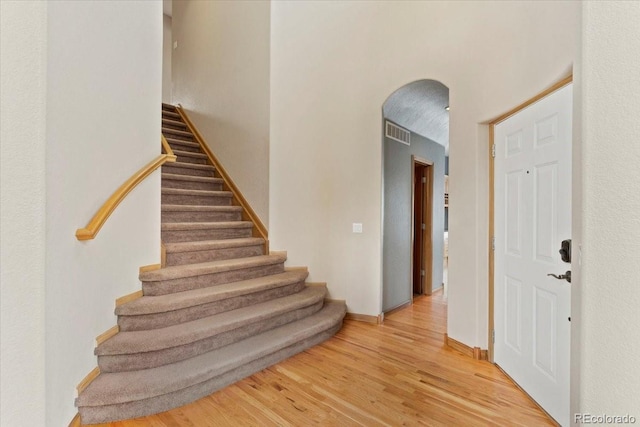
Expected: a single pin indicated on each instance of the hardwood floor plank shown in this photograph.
(397, 373)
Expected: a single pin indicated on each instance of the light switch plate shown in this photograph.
(357, 227)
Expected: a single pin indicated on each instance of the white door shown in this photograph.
(532, 217)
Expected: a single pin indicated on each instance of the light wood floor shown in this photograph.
(399, 373)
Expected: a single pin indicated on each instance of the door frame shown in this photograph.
(427, 249)
(492, 124)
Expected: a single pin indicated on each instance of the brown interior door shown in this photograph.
(418, 232)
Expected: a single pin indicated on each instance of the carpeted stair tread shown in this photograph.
(202, 245)
(196, 330)
(122, 387)
(191, 166)
(190, 154)
(187, 192)
(182, 142)
(189, 211)
(170, 122)
(198, 208)
(181, 226)
(185, 299)
(192, 178)
(218, 311)
(176, 132)
(191, 270)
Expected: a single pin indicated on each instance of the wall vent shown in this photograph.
(395, 132)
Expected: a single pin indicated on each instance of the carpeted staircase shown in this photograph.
(220, 310)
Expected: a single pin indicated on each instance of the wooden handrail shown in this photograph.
(98, 220)
(247, 211)
(167, 147)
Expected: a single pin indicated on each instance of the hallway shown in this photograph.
(399, 373)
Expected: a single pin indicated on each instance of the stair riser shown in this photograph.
(181, 258)
(191, 185)
(168, 168)
(177, 134)
(161, 320)
(180, 199)
(123, 411)
(193, 160)
(170, 115)
(208, 234)
(180, 147)
(180, 127)
(133, 362)
(170, 133)
(206, 280)
(195, 216)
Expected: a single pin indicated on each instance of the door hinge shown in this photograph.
(423, 273)
(424, 179)
(493, 336)
(493, 243)
(493, 151)
(424, 226)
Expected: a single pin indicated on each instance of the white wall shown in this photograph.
(103, 124)
(23, 45)
(167, 49)
(332, 66)
(221, 77)
(610, 288)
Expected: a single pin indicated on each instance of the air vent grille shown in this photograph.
(395, 132)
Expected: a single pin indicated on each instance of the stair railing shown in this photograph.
(98, 220)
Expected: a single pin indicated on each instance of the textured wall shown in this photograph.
(104, 86)
(22, 213)
(332, 69)
(221, 77)
(397, 286)
(609, 343)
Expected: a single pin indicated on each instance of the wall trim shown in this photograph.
(475, 352)
(150, 267)
(87, 380)
(107, 334)
(298, 268)
(367, 318)
(129, 297)
(398, 308)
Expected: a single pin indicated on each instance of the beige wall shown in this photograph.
(221, 77)
(167, 48)
(23, 43)
(610, 286)
(332, 66)
(104, 65)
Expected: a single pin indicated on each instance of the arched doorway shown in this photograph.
(415, 147)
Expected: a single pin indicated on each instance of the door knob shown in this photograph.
(566, 276)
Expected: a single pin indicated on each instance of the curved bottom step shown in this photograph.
(119, 396)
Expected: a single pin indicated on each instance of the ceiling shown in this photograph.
(420, 107)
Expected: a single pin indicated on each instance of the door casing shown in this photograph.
(492, 125)
(427, 233)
